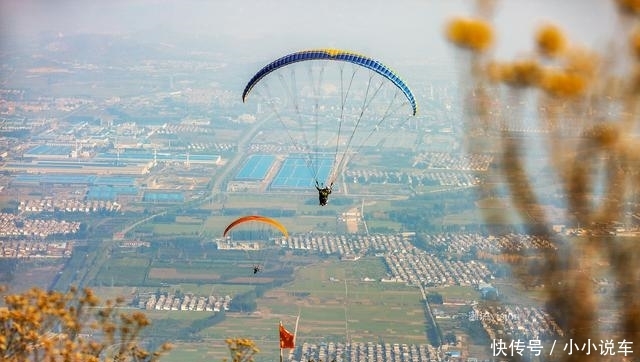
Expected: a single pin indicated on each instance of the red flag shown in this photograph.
(286, 338)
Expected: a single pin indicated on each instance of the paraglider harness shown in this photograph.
(323, 193)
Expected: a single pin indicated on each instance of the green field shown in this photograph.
(123, 271)
(162, 229)
(210, 350)
(284, 201)
(346, 306)
(339, 309)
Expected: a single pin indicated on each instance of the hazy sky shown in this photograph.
(400, 29)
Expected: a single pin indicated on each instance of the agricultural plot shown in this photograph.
(124, 271)
(175, 229)
(167, 274)
(211, 350)
(201, 271)
(185, 261)
(336, 304)
(337, 300)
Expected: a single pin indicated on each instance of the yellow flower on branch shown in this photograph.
(562, 83)
(47, 325)
(550, 41)
(634, 43)
(473, 34)
(604, 135)
(629, 6)
(635, 81)
(241, 349)
(523, 73)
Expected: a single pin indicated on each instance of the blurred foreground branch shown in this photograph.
(587, 134)
(53, 326)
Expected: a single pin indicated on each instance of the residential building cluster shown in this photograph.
(431, 168)
(134, 244)
(416, 178)
(416, 267)
(21, 249)
(344, 245)
(187, 302)
(271, 148)
(463, 242)
(528, 323)
(452, 161)
(173, 128)
(365, 352)
(211, 146)
(17, 226)
(68, 205)
(406, 263)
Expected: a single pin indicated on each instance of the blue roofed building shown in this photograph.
(49, 152)
(163, 197)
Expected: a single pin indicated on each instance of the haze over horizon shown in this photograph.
(406, 30)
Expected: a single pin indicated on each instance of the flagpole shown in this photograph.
(295, 330)
(280, 346)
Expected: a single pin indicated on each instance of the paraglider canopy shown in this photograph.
(332, 54)
(329, 103)
(256, 218)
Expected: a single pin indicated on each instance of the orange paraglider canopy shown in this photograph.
(256, 218)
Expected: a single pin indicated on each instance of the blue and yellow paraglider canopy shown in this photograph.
(332, 54)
